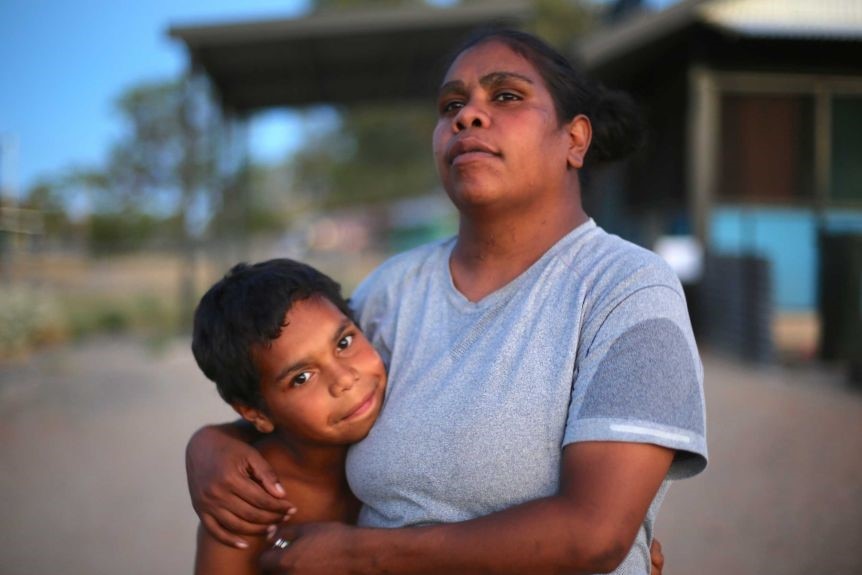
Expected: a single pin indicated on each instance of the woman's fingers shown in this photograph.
(245, 497)
(260, 470)
(212, 526)
(255, 522)
(286, 532)
(656, 557)
(277, 558)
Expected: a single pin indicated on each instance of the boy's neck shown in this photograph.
(318, 464)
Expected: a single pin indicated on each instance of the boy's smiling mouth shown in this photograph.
(363, 407)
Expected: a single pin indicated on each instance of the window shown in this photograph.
(846, 150)
(766, 148)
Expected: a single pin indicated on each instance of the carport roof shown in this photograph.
(803, 20)
(337, 57)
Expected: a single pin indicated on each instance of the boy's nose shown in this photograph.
(344, 379)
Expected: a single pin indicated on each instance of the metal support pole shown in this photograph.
(703, 138)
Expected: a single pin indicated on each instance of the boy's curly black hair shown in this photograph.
(245, 309)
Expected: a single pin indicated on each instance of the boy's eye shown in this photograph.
(300, 379)
(345, 342)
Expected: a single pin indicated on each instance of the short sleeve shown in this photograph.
(369, 305)
(638, 378)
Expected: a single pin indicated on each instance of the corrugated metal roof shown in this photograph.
(630, 35)
(340, 57)
(835, 20)
(838, 19)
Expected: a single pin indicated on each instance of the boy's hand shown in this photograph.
(656, 557)
(233, 489)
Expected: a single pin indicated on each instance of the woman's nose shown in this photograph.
(471, 116)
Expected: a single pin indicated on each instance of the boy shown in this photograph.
(279, 341)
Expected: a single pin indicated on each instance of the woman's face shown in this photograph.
(498, 141)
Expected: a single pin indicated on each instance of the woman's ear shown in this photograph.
(580, 135)
(254, 416)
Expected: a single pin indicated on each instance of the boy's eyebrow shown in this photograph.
(485, 81)
(285, 371)
(344, 325)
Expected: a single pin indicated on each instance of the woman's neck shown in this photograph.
(495, 248)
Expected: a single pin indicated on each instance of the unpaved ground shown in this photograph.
(92, 478)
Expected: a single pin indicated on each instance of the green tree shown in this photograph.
(162, 161)
(562, 22)
(46, 196)
(379, 153)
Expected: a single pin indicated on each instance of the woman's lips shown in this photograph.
(462, 151)
(468, 157)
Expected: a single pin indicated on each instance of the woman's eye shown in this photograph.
(345, 342)
(450, 107)
(300, 379)
(506, 97)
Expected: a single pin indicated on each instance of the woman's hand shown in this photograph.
(656, 557)
(314, 549)
(233, 489)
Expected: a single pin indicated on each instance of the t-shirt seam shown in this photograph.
(621, 302)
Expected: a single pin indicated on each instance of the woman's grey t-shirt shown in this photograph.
(592, 342)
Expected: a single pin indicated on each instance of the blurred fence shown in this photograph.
(737, 306)
(57, 293)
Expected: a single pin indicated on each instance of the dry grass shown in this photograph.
(53, 297)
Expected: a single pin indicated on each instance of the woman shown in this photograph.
(545, 383)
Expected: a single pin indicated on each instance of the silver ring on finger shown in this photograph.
(281, 543)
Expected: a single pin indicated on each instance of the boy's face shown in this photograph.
(322, 382)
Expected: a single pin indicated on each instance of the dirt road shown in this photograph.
(92, 479)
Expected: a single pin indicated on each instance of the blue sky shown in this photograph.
(64, 62)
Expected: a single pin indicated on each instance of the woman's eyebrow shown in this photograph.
(456, 86)
(491, 79)
(495, 78)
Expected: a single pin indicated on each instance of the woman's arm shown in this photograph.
(233, 489)
(588, 527)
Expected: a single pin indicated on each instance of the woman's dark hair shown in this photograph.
(618, 127)
(246, 309)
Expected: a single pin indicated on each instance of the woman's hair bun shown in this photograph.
(618, 126)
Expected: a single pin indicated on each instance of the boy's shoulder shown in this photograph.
(312, 500)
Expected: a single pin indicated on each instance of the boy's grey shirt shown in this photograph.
(592, 342)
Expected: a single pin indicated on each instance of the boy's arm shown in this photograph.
(234, 490)
(215, 558)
